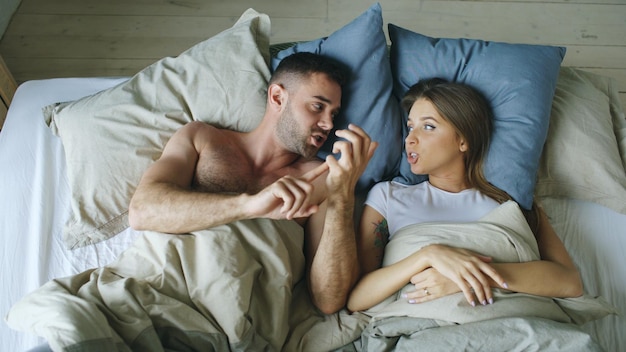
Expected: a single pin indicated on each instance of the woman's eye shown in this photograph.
(429, 127)
(410, 128)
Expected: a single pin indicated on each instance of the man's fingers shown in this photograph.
(295, 195)
(281, 192)
(372, 149)
(359, 141)
(356, 129)
(355, 136)
(312, 174)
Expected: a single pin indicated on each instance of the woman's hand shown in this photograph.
(469, 271)
(429, 285)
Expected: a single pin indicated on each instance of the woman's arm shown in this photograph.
(372, 236)
(468, 270)
(555, 275)
(379, 284)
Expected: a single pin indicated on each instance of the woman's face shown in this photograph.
(432, 145)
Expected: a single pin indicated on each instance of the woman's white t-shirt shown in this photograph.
(404, 205)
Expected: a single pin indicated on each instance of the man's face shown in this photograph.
(308, 116)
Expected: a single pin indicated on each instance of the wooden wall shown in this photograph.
(7, 8)
(60, 38)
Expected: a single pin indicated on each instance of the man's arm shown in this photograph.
(330, 242)
(165, 201)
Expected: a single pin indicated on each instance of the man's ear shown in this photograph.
(276, 96)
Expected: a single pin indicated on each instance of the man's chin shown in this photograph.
(310, 152)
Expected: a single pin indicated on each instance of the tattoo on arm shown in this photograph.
(381, 234)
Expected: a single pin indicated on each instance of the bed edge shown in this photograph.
(7, 90)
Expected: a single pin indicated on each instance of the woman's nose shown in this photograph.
(410, 139)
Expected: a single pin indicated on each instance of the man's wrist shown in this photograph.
(341, 202)
(242, 202)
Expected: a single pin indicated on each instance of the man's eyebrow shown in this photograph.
(323, 98)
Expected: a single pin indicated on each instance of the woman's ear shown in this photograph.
(463, 145)
(276, 95)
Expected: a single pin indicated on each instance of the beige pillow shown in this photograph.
(582, 158)
(111, 138)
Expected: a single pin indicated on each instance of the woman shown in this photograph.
(449, 131)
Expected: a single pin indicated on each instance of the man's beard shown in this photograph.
(294, 139)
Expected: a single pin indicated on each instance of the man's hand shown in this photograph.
(330, 242)
(356, 151)
(287, 198)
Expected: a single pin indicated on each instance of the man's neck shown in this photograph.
(265, 151)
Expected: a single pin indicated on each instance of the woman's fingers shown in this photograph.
(474, 282)
(469, 271)
(471, 287)
(422, 295)
(495, 276)
(430, 284)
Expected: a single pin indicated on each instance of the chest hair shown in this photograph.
(225, 172)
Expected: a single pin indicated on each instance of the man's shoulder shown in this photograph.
(201, 126)
(199, 130)
(304, 165)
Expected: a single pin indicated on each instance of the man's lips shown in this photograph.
(318, 139)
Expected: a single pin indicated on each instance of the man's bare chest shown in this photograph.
(228, 174)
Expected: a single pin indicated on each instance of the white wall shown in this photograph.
(7, 8)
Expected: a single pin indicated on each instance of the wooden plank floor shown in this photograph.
(61, 38)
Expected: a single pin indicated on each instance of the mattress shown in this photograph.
(35, 200)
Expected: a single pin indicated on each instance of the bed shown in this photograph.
(66, 181)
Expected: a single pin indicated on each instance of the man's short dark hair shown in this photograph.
(301, 65)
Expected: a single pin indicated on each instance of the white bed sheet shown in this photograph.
(34, 197)
(595, 237)
(34, 200)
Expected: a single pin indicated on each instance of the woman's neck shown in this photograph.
(452, 185)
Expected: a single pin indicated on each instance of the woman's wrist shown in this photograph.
(422, 258)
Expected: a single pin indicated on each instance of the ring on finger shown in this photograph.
(426, 291)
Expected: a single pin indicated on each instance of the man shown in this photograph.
(208, 176)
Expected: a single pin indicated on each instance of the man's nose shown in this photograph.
(326, 122)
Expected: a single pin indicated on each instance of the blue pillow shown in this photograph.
(518, 80)
(367, 98)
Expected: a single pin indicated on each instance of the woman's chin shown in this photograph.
(416, 170)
